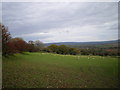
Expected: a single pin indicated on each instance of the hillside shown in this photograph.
(47, 70)
(113, 43)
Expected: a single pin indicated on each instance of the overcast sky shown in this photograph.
(62, 22)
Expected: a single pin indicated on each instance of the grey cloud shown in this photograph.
(25, 18)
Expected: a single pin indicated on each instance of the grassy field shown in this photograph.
(44, 70)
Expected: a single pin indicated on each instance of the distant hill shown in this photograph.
(84, 43)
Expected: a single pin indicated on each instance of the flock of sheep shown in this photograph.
(88, 57)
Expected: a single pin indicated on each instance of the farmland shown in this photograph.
(46, 70)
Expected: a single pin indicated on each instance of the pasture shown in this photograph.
(46, 70)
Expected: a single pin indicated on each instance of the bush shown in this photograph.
(62, 49)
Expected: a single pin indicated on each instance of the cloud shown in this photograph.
(57, 22)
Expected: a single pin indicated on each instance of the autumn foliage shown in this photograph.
(5, 39)
(18, 45)
(15, 45)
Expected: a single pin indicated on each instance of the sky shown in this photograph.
(61, 21)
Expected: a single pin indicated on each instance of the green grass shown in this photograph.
(45, 70)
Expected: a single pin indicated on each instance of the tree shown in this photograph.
(38, 44)
(5, 39)
(74, 51)
(18, 45)
(63, 49)
(53, 48)
(31, 42)
(31, 47)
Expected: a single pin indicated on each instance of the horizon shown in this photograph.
(83, 41)
(62, 22)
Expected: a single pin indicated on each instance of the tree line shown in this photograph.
(18, 45)
(100, 52)
(62, 49)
